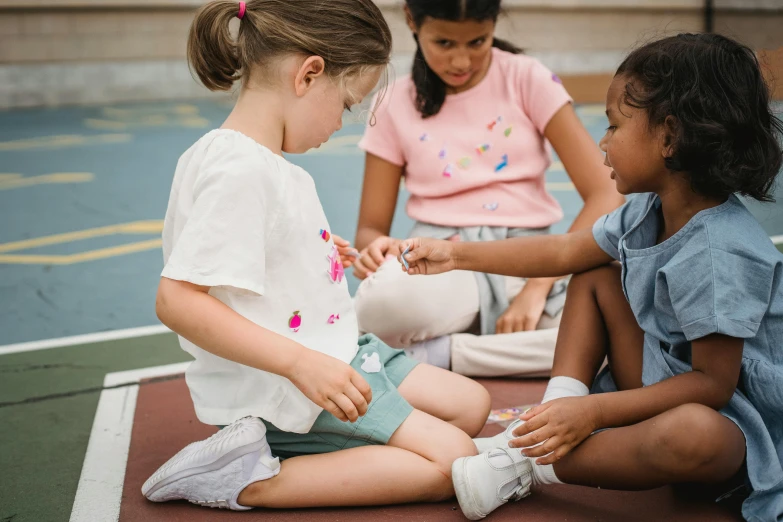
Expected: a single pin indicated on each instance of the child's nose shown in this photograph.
(602, 143)
(460, 61)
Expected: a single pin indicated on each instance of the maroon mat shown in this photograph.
(165, 422)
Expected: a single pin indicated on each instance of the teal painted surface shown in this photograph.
(132, 155)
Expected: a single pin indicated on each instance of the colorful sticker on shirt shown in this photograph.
(295, 322)
(442, 153)
(503, 164)
(507, 132)
(464, 163)
(556, 79)
(448, 171)
(325, 234)
(333, 318)
(481, 149)
(491, 206)
(494, 122)
(335, 271)
(424, 137)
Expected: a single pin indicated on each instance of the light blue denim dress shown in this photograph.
(719, 274)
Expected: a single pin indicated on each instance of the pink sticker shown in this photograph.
(333, 318)
(295, 322)
(335, 271)
(448, 171)
(325, 234)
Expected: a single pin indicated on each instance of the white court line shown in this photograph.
(99, 494)
(98, 337)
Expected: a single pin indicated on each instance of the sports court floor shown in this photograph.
(92, 397)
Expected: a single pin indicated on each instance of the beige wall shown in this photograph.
(82, 51)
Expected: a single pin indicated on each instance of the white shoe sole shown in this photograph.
(467, 503)
(243, 439)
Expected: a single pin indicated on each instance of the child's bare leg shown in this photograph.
(691, 443)
(598, 322)
(414, 467)
(450, 397)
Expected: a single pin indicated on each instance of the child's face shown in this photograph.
(316, 115)
(632, 149)
(458, 52)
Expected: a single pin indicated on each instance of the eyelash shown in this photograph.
(347, 107)
(611, 127)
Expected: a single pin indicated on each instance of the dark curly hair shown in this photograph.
(726, 138)
(430, 89)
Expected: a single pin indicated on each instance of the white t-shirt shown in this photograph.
(249, 224)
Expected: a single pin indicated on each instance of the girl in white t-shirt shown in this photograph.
(254, 285)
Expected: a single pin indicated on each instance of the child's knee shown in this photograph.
(476, 408)
(391, 308)
(685, 439)
(587, 281)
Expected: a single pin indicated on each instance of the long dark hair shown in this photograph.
(430, 89)
(726, 137)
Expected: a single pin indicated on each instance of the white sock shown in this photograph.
(561, 386)
(544, 474)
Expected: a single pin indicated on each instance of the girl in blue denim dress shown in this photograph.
(680, 290)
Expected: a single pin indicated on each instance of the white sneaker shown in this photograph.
(485, 482)
(213, 472)
(500, 440)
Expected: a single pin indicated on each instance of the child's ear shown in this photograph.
(311, 68)
(670, 129)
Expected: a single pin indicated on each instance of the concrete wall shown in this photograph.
(55, 52)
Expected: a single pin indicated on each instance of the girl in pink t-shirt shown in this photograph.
(469, 130)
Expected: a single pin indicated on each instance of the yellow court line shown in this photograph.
(593, 109)
(95, 123)
(8, 177)
(62, 141)
(91, 255)
(136, 227)
(563, 186)
(58, 177)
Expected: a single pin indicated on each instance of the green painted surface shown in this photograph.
(42, 443)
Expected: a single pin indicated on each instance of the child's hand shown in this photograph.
(375, 255)
(428, 256)
(525, 311)
(561, 425)
(332, 385)
(348, 254)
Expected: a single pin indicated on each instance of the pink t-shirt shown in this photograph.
(481, 160)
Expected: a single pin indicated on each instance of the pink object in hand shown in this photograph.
(336, 271)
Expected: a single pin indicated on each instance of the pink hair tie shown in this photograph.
(242, 10)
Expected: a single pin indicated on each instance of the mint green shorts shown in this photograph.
(386, 412)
